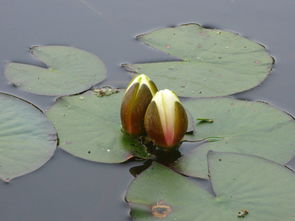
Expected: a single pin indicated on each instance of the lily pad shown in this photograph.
(89, 127)
(238, 126)
(27, 138)
(212, 62)
(70, 71)
(244, 187)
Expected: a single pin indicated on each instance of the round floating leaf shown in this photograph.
(27, 138)
(213, 62)
(89, 127)
(238, 126)
(70, 71)
(245, 187)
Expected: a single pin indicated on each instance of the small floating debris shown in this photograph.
(105, 91)
(205, 120)
(243, 213)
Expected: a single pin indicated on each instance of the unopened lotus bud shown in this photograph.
(138, 96)
(165, 119)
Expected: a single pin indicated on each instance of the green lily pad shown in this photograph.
(213, 62)
(70, 71)
(244, 187)
(27, 138)
(238, 126)
(89, 127)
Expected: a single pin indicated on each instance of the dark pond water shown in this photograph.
(67, 188)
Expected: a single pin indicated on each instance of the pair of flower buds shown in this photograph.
(159, 114)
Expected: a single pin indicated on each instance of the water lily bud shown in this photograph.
(138, 96)
(165, 119)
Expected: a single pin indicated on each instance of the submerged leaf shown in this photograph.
(239, 126)
(27, 138)
(243, 185)
(213, 62)
(89, 127)
(70, 71)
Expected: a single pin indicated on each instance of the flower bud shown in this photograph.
(138, 96)
(165, 119)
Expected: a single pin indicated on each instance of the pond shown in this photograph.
(68, 188)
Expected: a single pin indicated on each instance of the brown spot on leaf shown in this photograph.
(204, 33)
(161, 210)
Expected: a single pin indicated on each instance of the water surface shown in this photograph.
(67, 188)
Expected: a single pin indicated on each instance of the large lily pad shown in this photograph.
(242, 127)
(244, 187)
(70, 71)
(89, 127)
(213, 62)
(27, 138)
